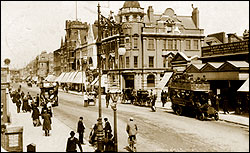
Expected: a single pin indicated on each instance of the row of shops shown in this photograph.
(227, 79)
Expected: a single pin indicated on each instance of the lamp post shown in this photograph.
(106, 24)
(114, 97)
(100, 126)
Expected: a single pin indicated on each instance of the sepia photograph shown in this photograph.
(124, 76)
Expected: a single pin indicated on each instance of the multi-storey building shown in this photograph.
(151, 40)
(68, 52)
(43, 63)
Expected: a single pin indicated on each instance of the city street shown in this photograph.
(158, 131)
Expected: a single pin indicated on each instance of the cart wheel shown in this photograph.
(179, 110)
(202, 117)
(216, 116)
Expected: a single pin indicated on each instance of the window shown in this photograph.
(164, 44)
(151, 61)
(196, 44)
(175, 44)
(170, 44)
(188, 44)
(135, 61)
(151, 44)
(135, 42)
(127, 62)
(127, 43)
(151, 80)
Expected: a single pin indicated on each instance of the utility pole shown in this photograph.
(76, 10)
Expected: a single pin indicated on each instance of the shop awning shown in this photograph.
(71, 77)
(244, 87)
(65, 77)
(103, 81)
(58, 79)
(80, 78)
(50, 78)
(164, 80)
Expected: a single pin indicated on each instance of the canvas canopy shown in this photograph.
(244, 87)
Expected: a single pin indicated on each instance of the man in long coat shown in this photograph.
(46, 122)
(80, 129)
(72, 142)
(35, 116)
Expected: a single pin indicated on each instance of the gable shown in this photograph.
(208, 68)
(228, 67)
(178, 58)
(192, 69)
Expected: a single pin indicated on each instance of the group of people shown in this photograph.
(73, 142)
(32, 105)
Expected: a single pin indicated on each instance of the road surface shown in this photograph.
(158, 131)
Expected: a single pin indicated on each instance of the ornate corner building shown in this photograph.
(151, 40)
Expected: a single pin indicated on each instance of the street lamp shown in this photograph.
(121, 52)
(103, 25)
(114, 96)
(100, 126)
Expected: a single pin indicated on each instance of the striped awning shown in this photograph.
(65, 77)
(58, 79)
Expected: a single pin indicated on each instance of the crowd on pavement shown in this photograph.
(25, 103)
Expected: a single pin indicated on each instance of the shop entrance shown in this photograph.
(129, 81)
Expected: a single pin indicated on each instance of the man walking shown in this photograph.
(80, 130)
(107, 128)
(71, 143)
(107, 98)
(46, 122)
(37, 100)
(35, 116)
(131, 130)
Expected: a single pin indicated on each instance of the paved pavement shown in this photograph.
(231, 117)
(57, 140)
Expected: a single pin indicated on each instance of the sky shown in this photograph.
(30, 27)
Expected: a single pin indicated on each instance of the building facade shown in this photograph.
(151, 40)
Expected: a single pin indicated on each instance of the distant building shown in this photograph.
(218, 48)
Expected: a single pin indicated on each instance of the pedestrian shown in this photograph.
(49, 108)
(107, 98)
(108, 136)
(80, 129)
(93, 132)
(131, 129)
(163, 98)
(29, 96)
(35, 116)
(18, 105)
(37, 100)
(217, 103)
(153, 102)
(72, 142)
(107, 128)
(46, 122)
(25, 104)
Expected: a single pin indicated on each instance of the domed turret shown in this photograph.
(131, 4)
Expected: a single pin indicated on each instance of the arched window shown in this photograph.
(151, 80)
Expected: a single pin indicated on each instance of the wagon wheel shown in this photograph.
(216, 116)
(202, 117)
(179, 110)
